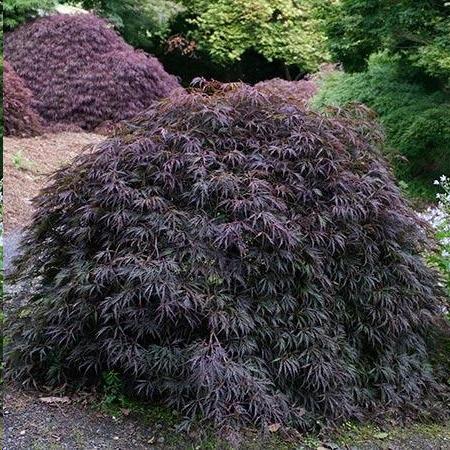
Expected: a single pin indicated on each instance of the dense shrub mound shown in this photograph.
(301, 89)
(20, 119)
(82, 72)
(242, 258)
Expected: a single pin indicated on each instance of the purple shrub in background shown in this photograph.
(301, 89)
(81, 72)
(20, 119)
(237, 256)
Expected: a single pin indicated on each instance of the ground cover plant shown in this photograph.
(237, 256)
(81, 72)
(20, 118)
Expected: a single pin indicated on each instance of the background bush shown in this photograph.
(439, 217)
(238, 257)
(20, 118)
(81, 72)
(441, 222)
(416, 31)
(416, 118)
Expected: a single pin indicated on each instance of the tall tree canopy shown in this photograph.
(16, 12)
(418, 30)
(139, 21)
(285, 30)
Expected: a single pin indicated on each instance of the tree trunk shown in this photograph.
(287, 74)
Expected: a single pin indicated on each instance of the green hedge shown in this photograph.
(416, 118)
(16, 12)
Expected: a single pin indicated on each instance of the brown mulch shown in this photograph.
(27, 165)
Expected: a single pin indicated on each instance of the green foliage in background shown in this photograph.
(416, 30)
(439, 217)
(441, 258)
(285, 30)
(16, 12)
(417, 120)
(141, 22)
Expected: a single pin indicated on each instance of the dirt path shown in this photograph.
(27, 164)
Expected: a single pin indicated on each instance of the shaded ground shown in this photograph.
(31, 424)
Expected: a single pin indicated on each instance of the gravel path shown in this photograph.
(31, 424)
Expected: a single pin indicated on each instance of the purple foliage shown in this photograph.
(20, 119)
(239, 257)
(81, 72)
(301, 89)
